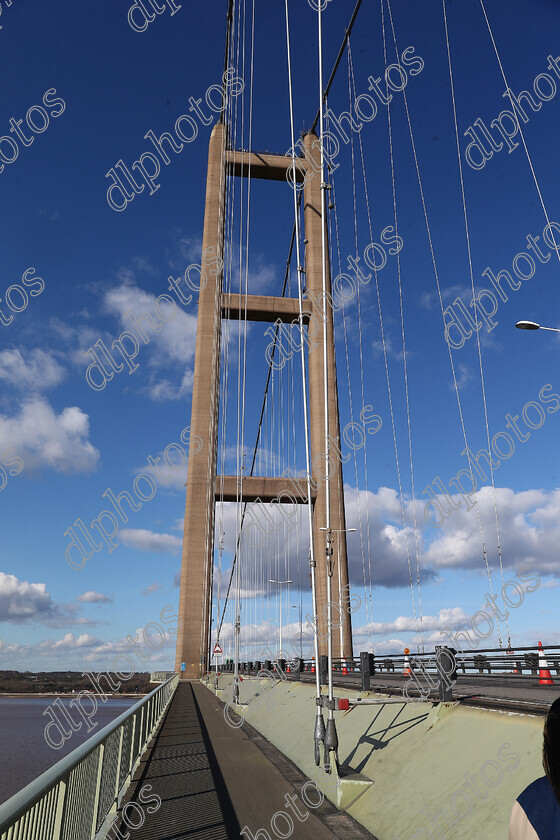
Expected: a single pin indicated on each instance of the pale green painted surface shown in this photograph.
(416, 755)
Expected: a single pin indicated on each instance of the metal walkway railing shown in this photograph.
(78, 797)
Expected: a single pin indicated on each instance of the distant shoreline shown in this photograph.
(66, 694)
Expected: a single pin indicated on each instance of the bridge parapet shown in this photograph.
(77, 799)
(161, 676)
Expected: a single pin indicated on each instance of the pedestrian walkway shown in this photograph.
(214, 781)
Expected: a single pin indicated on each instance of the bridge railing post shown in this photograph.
(367, 668)
(97, 789)
(324, 669)
(447, 672)
(60, 809)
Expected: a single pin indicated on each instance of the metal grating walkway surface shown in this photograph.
(214, 781)
(179, 769)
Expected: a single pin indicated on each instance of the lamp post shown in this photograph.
(278, 583)
(217, 641)
(532, 325)
(298, 607)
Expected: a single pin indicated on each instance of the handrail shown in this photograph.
(135, 727)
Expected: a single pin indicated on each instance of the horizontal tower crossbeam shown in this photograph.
(261, 488)
(264, 308)
(269, 167)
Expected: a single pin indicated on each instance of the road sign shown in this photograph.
(217, 649)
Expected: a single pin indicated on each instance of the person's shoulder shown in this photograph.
(539, 789)
(539, 804)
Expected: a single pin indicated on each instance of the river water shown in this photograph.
(25, 752)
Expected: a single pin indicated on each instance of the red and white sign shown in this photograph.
(217, 649)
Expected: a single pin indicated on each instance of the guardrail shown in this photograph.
(161, 676)
(522, 664)
(78, 797)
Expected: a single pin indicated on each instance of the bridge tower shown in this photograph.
(204, 486)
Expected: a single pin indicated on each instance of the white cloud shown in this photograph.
(37, 370)
(222, 582)
(383, 647)
(529, 532)
(392, 353)
(390, 544)
(21, 600)
(166, 349)
(163, 389)
(262, 635)
(430, 300)
(174, 342)
(85, 652)
(462, 376)
(78, 340)
(146, 657)
(149, 540)
(453, 617)
(152, 588)
(142, 264)
(170, 473)
(51, 215)
(91, 597)
(387, 541)
(169, 352)
(43, 438)
(262, 275)
(71, 641)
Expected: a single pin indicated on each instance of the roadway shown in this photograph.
(502, 691)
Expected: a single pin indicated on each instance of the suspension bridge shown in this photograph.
(244, 726)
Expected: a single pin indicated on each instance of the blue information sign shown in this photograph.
(183, 666)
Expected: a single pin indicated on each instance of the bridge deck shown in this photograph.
(214, 781)
(493, 690)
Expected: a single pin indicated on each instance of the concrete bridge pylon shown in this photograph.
(204, 486)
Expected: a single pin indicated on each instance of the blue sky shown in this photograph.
(97, 265)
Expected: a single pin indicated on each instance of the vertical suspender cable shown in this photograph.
(405, 366)
(438, 285)
(508, 91)
(312, 563)
(468, 242)
(331, 742)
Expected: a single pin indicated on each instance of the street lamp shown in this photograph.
(532, 325)
(298, 607)
(217, 642)
(278, 582)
